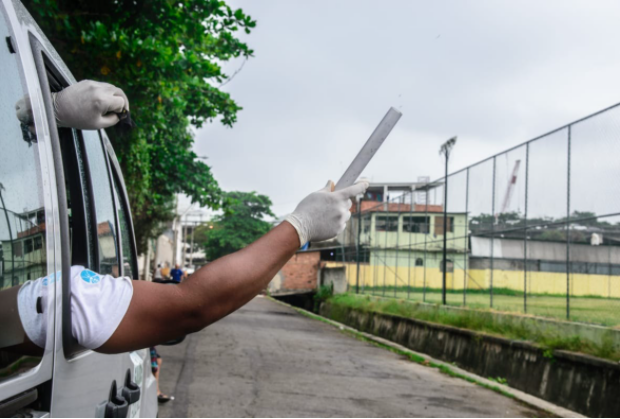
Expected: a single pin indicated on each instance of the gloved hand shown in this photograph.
(89, 105)
(23, 110)
(323, 214)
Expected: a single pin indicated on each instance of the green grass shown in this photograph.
(510, 327)
(590, 309)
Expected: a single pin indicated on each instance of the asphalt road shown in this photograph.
(267, 360)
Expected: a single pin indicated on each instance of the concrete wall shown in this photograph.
(607, 286)
(335, 276)
(164, 249)
(377, 275)
(544, 250)
(578, 382)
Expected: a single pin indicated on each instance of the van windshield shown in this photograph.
(23, 256)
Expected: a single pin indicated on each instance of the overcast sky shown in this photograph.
(325, 72)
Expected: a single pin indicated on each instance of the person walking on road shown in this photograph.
(177, 273)
(156, 370)
(157, 277)
(165, 271)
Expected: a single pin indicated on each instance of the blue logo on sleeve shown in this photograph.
(90, 276)
(52, 278)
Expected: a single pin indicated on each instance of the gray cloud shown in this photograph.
(325, 72)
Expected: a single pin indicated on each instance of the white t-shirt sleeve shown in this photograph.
(34, 321)
(98, 304)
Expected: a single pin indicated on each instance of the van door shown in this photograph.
(129, 267)
(27, 236)
(86, 383)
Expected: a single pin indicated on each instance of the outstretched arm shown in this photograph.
(161, 312)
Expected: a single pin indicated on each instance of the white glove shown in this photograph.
(89, 105)
(23, 110)
(323, 214)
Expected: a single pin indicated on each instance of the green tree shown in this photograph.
(242, 225)
(484, 222)
(551, 235)
(166, 56)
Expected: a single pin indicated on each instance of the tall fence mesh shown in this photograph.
(534, 230)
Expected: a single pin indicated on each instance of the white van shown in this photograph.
(62, 202)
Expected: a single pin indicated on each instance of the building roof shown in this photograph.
(439, 213)
(396, 186)
(543, 250)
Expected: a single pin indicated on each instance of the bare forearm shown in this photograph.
(159, 312)
(228, 283)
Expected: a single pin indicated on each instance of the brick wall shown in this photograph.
(374, 206)
(300, 273)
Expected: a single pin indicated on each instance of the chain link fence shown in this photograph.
(535, 229)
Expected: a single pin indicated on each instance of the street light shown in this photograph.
(445, 149)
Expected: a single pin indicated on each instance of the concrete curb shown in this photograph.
(518, 395)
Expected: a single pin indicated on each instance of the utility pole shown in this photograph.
(191, 255)
(178, 221)
(147, 260)
(183, 244)
(445, 150)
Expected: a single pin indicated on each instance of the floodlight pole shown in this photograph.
(445, 150)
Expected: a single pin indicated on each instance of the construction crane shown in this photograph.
(509, 190)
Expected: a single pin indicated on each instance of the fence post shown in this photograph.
(428, 229)
(410, 224)
(493, 232)
(444, 262)
(387, 228)
(375, 254)
(357, 247)
(527, 171)
(568, 225)
(397, 247)
(466, 238)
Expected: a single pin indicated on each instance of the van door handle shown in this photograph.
(116, 407)
(131, 391)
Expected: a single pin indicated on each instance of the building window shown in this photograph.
(385, 223)
(38, 242)
(28, 246)
(416, 224)
(419, 262)
(450, 266)
(104, 203)
(366, 223)
(18, 249)
(439, 225)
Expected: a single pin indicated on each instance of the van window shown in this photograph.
(126, 237)
(104, 204)
(22, 211)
